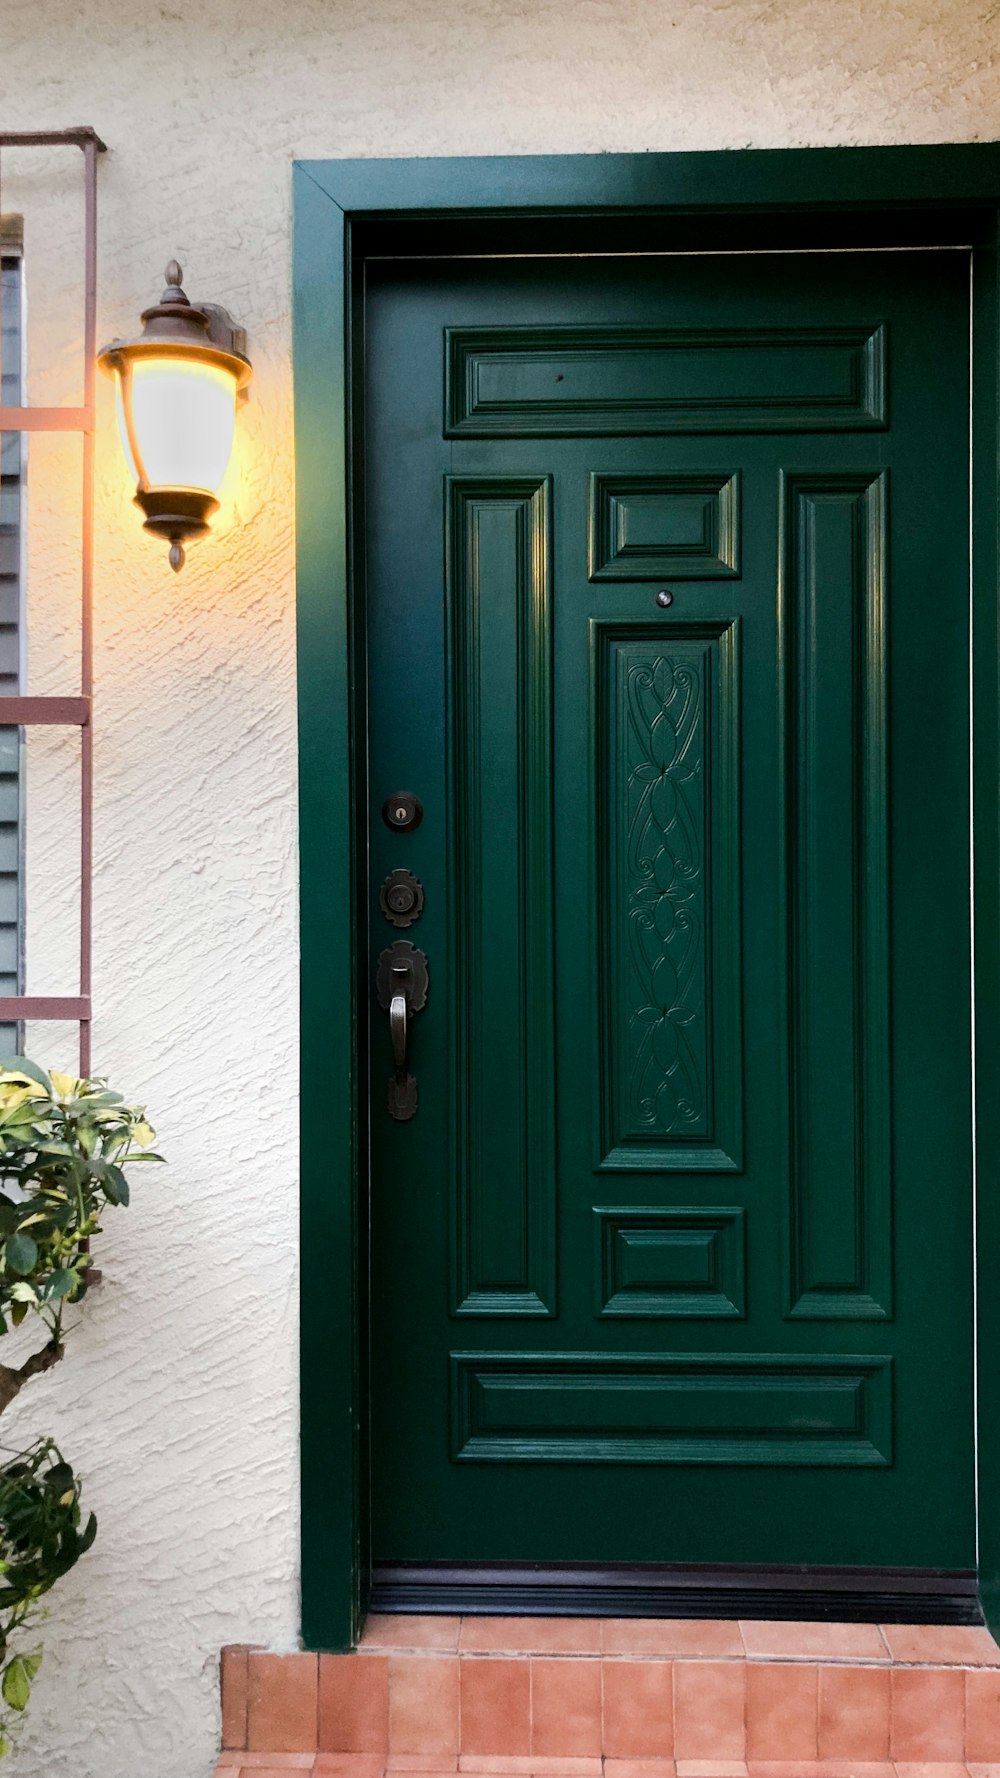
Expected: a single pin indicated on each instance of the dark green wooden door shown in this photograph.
(667, 571)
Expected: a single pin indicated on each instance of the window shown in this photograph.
(12, 485)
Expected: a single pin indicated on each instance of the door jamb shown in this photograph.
(879, 196)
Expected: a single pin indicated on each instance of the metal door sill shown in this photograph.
(653, 1590)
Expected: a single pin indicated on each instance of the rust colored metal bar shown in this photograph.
(46, 419)
(90, 152)
(44, 1006)
(70, 711)
(77, 137)
(50, 712)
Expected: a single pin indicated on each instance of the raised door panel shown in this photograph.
(646, 527)
(761, 1408)
(499, 716)
(666, 734)
(596, 382)
(832, 642)
(652, 1261)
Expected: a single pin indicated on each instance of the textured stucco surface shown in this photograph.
(179, 1399)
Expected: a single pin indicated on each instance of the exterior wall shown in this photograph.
(178, 1400)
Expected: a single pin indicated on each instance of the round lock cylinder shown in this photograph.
(402, 811)
(401, 898)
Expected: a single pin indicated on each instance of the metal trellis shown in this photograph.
(73, 712)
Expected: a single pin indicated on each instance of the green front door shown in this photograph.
(667, 589)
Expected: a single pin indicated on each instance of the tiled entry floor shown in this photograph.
(622, 1698)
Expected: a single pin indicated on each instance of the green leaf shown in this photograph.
(18, 1312)
(32, 1663)
(60, 1283)
(21, 1253)
(16, 1684)
(116, 1185)
(30, 1070)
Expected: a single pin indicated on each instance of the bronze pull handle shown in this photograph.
(398, 1028)
(401, 985)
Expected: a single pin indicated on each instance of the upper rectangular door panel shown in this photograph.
(593, 382)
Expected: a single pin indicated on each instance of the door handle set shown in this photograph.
(401, 986)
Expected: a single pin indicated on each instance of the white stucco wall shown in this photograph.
(178, 1401)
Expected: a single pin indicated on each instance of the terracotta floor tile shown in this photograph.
(639, 1768)
(293, 1762)
(527, 1635)
(284, 1770)
(271, 1762)
(262, 1761)
(234, 1683)
(861, 1768)
(709, 1638)
(419, 1762)
(482, 1762)
(821, 1768)
(781, 1711)
(709, 1710)
(854, 1713)
(349, 1765)
(983, 1769)
(423, 1703)
(584, 1767)
(353, 1703)
(927, 1714)
(565, 1708)
(404, 1631)
(982, 1714)
(711, 1768)
(941, 1645)
(813, 1641)
(932, 1769)
(282, 1701)
(638, 1709)
(496, 1706)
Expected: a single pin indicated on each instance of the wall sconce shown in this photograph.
(178, 385)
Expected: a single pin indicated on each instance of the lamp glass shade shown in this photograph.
(177, 417)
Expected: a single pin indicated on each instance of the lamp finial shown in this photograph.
(173, 294)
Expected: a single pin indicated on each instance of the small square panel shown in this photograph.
(653, 527)
(686, 1262)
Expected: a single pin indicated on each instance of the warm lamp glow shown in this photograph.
(177, 387)
(183, 416)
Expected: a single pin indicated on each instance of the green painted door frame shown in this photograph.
(344, 211)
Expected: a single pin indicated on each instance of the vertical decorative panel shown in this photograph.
(500, 812)
(667, 735)
(833, 650)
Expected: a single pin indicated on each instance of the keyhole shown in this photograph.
(664, 597)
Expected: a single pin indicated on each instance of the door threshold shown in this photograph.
(654, 1590)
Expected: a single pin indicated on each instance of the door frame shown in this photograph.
(721, 201)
